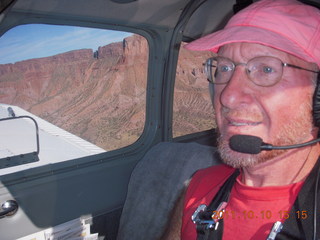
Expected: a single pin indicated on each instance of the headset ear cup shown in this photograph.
(316, 104)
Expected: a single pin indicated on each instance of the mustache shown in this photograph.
(245, 114)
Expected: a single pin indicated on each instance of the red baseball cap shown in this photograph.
(286, 25)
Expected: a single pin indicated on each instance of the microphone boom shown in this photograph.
(254, 145)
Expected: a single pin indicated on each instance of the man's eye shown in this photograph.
(224, 68)
(267, 69)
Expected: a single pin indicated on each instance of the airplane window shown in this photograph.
(84, 85)
(192, 109)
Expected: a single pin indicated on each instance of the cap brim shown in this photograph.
(267, 37)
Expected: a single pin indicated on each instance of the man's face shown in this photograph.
(280, 114)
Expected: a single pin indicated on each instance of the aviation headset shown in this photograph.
(316, 95)
(316, 103)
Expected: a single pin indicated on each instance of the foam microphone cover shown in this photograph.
(245, 144)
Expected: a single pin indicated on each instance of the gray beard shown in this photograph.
(240, 160)
(296, 131)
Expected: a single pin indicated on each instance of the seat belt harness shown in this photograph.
(208, 219)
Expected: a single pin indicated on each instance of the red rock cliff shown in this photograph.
(100, 96)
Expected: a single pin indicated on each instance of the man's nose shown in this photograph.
(237, 91)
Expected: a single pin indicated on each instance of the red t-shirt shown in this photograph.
(251, 211)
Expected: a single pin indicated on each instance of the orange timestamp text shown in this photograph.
(265, 214)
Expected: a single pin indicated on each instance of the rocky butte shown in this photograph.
(100, 96)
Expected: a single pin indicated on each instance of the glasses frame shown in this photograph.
(208, 68)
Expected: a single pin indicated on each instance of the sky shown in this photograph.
(39, 40)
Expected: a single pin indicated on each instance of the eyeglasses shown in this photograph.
(263, 71)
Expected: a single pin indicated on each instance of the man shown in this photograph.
(264, 79)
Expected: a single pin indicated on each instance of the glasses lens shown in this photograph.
(265, 71)
(219, 70)
(224, 70)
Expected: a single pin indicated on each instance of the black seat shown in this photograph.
(155, 185)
